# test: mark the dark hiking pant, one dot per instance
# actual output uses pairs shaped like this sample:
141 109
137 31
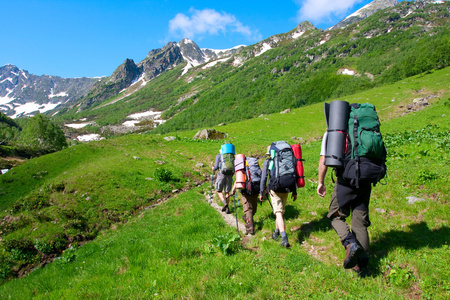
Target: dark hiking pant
347 200
250 205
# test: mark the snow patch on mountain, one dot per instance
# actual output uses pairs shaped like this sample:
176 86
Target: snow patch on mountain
215 62
78 125
30 108
6 99
60 94
90 137
358 13
155 116
265 47
296 35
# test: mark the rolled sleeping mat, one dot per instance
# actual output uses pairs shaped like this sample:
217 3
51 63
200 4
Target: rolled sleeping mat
227 148
297 149
336 114
239 162
335 150
240 180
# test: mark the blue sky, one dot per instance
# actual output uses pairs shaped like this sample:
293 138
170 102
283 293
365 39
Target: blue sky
89 38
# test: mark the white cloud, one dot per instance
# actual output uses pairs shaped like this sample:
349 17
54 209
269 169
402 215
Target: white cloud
208 22
323 10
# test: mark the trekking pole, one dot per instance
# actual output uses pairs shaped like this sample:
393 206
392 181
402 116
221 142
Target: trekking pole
210 195
232 184
235 210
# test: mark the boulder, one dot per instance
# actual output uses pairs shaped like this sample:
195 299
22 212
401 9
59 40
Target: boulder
209 134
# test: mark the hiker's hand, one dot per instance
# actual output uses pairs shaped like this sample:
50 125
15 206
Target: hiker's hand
261 198
321 190
294 197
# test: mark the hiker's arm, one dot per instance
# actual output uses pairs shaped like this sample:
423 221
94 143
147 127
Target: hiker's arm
233 189
321 189
216 163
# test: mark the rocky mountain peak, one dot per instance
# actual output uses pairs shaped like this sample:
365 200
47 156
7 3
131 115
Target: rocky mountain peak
191 52
305 26
126 72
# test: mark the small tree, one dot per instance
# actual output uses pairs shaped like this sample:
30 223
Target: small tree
42 135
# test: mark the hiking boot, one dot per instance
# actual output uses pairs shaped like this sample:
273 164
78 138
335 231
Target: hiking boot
363 259
284 242
275 235
227 210
352 254
225 207
361 271
250 230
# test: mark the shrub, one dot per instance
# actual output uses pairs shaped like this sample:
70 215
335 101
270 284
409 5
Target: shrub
163 175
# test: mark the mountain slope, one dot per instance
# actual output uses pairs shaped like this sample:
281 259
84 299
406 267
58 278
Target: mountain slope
297 68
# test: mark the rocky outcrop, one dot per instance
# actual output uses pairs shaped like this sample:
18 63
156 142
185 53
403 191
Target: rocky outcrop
121 78
159 60
209 134
305 26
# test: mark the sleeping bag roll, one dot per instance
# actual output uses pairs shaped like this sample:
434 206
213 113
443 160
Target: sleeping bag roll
336 115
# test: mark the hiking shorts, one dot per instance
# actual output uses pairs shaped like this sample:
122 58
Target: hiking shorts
278 201
223 183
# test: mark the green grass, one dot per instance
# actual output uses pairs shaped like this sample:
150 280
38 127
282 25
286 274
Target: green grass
170 251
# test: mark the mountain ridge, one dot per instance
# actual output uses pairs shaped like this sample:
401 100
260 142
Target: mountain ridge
131 77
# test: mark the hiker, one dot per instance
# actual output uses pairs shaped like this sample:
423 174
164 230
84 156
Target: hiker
355 176
249 191
223 183
278 195
357 204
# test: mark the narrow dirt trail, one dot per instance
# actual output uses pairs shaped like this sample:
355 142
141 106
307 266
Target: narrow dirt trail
230 219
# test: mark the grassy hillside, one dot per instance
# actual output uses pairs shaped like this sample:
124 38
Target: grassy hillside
107 192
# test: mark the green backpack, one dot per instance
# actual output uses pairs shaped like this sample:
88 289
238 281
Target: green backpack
366 154
364 132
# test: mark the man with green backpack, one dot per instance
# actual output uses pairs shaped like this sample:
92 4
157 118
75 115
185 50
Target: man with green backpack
354 147
224 163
